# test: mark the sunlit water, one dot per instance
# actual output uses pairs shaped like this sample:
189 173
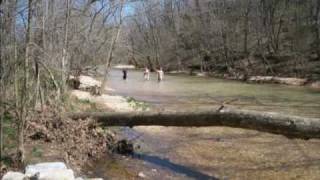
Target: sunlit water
213 152
185 92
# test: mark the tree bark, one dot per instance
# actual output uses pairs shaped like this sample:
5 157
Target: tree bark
113 43
1 82
1 135
24 93
317 28
246 27
65 48
290 126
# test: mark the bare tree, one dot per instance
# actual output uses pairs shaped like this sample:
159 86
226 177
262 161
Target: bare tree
115 37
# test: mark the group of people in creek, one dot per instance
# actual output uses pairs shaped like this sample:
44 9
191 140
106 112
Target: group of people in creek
146 74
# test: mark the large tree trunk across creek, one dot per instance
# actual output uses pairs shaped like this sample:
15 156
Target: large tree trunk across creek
290 126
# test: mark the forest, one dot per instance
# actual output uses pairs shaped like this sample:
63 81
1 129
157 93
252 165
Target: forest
44 42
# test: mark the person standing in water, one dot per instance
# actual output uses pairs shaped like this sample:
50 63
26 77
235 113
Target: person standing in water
160 74
146 74
125 73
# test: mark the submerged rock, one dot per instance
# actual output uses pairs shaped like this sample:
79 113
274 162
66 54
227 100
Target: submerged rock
124 147
142 175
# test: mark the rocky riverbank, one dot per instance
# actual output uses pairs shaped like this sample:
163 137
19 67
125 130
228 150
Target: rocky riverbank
292 81
51 136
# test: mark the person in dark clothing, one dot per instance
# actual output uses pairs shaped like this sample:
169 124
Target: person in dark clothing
125 73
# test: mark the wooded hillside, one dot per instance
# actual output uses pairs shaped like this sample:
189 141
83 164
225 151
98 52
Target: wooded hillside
42 42
236 37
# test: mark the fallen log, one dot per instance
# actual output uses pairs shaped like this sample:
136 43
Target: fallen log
290 126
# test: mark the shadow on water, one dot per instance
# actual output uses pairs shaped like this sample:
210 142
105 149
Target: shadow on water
165 163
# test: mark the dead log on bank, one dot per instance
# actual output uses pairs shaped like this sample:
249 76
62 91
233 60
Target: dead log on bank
290 126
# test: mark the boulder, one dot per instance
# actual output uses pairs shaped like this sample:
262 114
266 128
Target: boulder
45 171
13 176
124 66
55 174
142 175
290 81
50 171
177 72
86 82
124 147
42 167
201 74
315 85
261 79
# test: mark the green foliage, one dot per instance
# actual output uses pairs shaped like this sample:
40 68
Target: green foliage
84 101
7 161
36 152
137 105
9 131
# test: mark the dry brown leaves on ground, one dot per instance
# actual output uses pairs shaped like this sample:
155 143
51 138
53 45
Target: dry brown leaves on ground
76 141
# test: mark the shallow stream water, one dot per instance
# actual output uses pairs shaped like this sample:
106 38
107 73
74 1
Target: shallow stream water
212 152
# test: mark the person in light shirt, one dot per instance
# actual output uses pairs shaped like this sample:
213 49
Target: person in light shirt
160 74
146 74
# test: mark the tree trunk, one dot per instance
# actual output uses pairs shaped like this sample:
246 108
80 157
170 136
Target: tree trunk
1 135
24 93
113 43
317 28
65 48
246 27
290 126
1 84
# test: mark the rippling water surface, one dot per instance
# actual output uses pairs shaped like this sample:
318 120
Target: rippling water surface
213 152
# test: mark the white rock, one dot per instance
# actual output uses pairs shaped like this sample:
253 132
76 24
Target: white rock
42 167
201 74
117 103
87 81
50 171
124 66
142 175
316 85
13 176
57 174
290 81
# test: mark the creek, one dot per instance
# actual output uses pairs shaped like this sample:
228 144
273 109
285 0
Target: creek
212 152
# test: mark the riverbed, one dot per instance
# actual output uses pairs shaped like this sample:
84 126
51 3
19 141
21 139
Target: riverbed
213 152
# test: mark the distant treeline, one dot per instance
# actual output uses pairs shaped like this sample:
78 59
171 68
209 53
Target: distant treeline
248 37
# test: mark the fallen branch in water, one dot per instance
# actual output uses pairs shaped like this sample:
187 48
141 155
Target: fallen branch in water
290 126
